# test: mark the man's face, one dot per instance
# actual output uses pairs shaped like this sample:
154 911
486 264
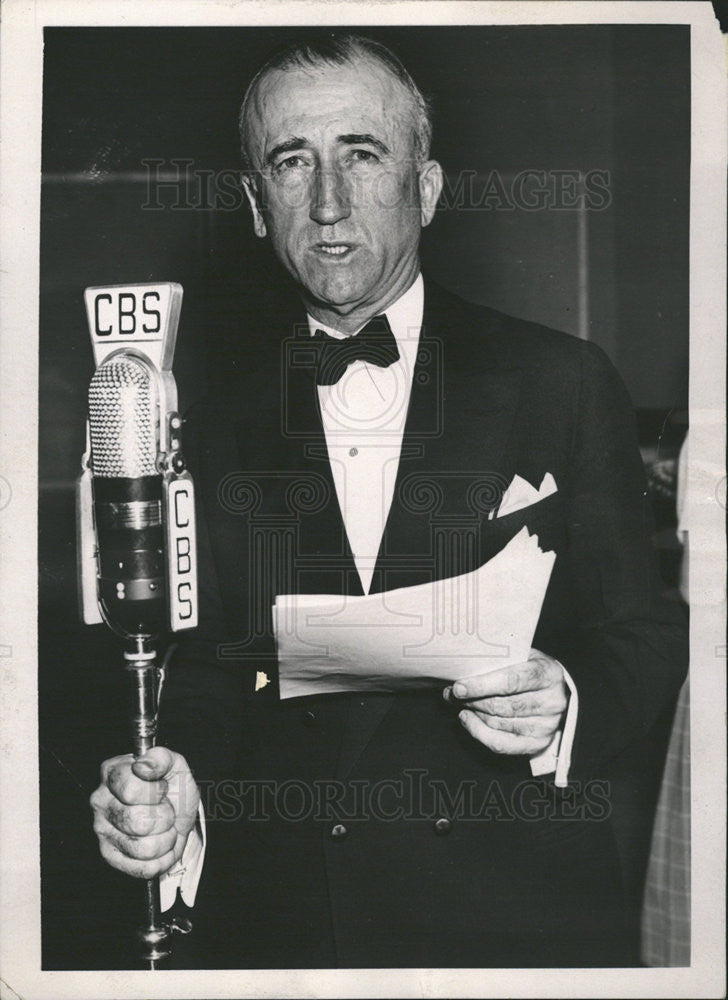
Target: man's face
340 194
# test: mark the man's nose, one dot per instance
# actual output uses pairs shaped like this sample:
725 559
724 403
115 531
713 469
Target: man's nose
330 198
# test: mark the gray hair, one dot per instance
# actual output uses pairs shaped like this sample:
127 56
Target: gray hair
334 49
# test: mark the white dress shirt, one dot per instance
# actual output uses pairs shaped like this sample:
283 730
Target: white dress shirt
363 418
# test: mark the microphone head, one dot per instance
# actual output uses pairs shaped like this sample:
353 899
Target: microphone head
124 418
135 501
127 491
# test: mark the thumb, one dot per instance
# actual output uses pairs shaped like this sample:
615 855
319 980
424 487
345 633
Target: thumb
153 765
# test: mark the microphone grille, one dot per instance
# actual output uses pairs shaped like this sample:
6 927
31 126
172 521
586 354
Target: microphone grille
123 421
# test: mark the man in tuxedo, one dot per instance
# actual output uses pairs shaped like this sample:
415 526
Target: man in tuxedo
366 442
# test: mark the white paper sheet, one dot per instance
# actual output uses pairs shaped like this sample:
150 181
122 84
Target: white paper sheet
415 636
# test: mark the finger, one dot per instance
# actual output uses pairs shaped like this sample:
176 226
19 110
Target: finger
500 742
101 798
107 765
156 763
141 821
548 701
530 676
138 869
538 725
136 848
132 790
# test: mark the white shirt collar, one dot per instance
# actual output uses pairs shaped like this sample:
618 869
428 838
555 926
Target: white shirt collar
404 316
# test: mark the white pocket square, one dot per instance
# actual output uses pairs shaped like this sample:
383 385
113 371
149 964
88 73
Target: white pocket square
521 494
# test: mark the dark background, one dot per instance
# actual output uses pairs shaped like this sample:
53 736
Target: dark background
506 99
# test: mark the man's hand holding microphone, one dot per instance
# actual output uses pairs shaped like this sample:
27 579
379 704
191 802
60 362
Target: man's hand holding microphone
144 810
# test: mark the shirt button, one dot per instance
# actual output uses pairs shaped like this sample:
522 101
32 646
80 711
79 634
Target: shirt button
353 452
338 831
442 826
309 719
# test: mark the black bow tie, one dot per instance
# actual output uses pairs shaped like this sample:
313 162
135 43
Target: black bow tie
374 344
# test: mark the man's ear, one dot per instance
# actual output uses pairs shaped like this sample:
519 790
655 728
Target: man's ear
430 184
250 183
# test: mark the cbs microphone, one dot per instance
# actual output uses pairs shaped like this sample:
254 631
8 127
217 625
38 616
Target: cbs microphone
135 504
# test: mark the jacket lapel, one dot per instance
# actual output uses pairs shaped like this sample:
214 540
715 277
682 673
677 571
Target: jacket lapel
291 462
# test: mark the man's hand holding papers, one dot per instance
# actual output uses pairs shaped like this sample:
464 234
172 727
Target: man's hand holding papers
447 630
514 710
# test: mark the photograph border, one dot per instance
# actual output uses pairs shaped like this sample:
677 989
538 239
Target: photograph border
21 68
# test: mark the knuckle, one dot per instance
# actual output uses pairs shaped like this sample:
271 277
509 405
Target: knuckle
512 681
142 869
132 848
111 764
116 815
116 775
110 856
555 671
141 822
144 849
538 673
150 868
99 824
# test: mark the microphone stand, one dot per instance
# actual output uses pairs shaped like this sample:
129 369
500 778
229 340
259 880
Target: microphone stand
141 662
135 515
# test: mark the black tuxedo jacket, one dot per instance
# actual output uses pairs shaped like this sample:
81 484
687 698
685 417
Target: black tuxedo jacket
451 855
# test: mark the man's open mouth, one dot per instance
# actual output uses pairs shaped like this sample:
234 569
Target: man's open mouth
335 249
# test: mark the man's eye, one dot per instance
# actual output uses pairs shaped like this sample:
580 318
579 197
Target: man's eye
290 163
363 156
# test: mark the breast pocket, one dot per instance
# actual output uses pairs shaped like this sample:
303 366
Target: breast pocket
546 519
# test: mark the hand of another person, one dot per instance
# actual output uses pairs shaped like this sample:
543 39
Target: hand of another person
144 810
516 709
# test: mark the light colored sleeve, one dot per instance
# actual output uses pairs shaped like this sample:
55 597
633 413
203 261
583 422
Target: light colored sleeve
557 755
185 875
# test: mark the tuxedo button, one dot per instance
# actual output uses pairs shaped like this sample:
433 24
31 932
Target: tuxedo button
353 452
309 719
442 826
338 831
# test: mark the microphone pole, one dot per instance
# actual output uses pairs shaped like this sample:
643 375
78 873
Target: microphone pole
141 663
135 510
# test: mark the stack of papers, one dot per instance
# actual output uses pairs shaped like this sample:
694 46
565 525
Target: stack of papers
414 637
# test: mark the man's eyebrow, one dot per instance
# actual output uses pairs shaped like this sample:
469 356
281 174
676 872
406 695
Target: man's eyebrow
288 146
366 139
